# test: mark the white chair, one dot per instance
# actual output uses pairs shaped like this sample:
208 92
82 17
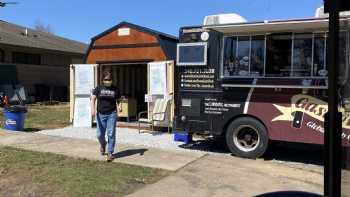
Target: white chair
158 114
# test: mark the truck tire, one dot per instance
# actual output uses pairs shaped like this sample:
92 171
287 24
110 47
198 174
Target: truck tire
247 137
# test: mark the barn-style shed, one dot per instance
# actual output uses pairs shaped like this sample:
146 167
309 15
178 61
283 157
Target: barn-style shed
126 49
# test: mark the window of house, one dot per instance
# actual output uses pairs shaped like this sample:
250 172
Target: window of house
278 55
302 55
26 58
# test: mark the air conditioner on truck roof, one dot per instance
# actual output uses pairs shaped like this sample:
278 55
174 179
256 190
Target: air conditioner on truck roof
223 19
320 13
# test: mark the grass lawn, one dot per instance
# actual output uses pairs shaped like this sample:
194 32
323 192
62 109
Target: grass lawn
41 117
27 173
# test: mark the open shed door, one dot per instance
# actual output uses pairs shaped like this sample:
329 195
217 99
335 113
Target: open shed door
161 86
83 78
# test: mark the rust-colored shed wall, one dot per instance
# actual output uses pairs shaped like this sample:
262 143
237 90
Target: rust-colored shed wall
138 45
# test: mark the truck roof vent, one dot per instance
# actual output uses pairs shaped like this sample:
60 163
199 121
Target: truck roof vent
223 19
320 13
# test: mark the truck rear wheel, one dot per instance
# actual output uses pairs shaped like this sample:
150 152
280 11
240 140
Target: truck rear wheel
247 137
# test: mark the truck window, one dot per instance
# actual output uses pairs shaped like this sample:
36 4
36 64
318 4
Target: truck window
257 56
244 56
229 60
343 62
302 55
319 62
242 62
278 55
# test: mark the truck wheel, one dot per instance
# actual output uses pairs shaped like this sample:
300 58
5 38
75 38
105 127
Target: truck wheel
247 137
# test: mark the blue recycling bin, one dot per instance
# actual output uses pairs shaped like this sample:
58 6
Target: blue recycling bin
14 118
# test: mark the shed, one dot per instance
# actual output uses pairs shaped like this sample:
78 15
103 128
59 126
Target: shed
125 50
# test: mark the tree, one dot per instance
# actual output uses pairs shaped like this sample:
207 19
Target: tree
40 26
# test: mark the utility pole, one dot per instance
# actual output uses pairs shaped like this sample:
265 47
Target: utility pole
333 119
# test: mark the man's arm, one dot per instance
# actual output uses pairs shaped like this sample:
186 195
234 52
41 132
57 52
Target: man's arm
93 105
119 105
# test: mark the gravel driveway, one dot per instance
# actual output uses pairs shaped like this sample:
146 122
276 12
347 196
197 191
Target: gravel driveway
153 139
293 155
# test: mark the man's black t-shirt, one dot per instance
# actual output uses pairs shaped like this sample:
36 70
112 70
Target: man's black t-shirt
106 98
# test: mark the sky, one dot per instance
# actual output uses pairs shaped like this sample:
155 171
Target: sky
83 19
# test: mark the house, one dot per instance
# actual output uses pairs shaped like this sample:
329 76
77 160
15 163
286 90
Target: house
38 61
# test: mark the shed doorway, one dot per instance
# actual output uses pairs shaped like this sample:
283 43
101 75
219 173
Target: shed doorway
131 79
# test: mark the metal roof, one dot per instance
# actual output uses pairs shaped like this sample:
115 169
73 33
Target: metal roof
15 35
137 27
274 26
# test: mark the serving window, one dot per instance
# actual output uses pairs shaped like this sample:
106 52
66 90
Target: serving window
257 56
278 55
243 56
301 55
319 55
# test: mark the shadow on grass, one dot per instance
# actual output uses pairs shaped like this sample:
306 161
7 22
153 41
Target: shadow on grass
130 152
31 130
27 130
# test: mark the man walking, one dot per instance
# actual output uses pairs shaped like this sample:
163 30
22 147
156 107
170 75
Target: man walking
106 115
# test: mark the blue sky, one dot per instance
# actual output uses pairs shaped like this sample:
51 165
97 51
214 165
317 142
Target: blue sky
82 19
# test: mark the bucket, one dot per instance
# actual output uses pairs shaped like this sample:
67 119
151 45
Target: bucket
14 118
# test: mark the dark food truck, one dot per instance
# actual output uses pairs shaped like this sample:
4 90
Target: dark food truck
253 82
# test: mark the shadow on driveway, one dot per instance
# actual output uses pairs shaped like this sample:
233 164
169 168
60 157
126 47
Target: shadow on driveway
130 152
280 151
289 194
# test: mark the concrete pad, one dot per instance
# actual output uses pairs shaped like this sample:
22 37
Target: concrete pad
89 149
230 176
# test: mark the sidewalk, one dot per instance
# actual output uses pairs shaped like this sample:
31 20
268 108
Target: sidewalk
195 174
221 175
89 149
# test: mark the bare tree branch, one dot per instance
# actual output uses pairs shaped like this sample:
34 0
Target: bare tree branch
40 26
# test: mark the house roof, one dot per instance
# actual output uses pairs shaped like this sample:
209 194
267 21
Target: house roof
15 35
137 27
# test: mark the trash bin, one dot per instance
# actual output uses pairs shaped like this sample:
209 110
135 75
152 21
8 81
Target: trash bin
14 117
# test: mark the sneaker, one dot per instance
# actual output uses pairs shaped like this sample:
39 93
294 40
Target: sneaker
103 149
110 157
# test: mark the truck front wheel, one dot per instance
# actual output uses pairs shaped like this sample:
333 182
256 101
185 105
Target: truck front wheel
247 137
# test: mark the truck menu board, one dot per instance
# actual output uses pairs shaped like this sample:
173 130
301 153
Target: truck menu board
202 78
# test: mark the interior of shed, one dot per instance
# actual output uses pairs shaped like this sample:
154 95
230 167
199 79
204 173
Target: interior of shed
131 79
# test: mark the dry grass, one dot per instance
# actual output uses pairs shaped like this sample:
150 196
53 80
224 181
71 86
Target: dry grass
28 173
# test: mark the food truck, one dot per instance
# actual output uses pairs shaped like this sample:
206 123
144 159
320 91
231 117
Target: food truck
254 82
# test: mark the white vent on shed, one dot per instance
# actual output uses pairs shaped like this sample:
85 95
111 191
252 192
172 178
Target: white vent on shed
223 19
123 31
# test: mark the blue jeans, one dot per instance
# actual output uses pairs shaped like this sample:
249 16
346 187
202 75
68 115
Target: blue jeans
106 122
